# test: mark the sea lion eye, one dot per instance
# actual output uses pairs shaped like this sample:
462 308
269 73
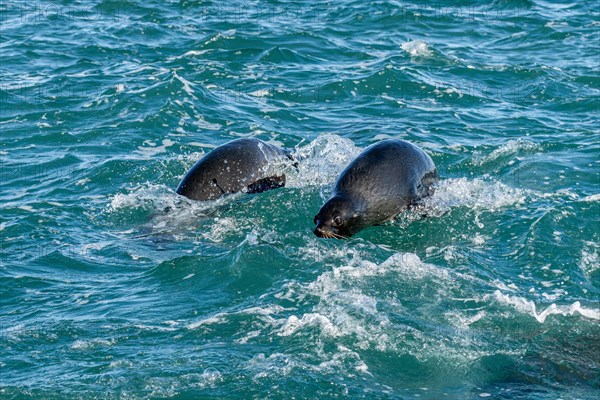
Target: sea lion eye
337 220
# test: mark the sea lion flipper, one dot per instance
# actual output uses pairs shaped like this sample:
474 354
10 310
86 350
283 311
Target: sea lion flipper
268 183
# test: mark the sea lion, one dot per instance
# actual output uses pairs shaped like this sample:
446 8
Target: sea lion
381 182
243 165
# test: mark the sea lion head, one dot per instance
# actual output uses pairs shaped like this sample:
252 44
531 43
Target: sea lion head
338 218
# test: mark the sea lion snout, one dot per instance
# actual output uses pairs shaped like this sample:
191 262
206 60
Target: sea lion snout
334 219
326 232
319 231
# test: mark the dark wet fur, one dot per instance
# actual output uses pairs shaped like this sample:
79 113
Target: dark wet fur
384 180
236 166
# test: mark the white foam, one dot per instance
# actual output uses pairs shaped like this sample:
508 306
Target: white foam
187 85
120 364
192 53
157 197
591 198
409 265
83 181
222 227
16 331
248 336
151 149
263 312
348 307
464 321
293 324
202 124
529 307
590 261
280 364
215 319
478 193
159 328
260 93
210 377
276 364
88 344
322 160
137 197
509 148
344 309
417 48
342 357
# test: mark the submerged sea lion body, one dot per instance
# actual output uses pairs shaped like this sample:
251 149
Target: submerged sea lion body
381 182
242 165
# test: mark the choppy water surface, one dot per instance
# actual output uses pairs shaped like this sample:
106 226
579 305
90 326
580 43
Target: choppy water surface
106 104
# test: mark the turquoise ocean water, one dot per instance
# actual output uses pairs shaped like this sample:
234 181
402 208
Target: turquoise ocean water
106 104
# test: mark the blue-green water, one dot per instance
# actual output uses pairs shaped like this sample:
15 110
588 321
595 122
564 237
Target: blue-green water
106 104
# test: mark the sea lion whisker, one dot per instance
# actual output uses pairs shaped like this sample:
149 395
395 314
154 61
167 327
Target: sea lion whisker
337 236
